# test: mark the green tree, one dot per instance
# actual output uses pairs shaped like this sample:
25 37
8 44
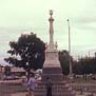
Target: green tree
64 61
85 65
27 52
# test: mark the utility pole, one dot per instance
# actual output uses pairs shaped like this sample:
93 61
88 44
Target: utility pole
69 48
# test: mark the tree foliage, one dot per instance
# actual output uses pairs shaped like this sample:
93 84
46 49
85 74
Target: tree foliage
27 52
84 65
64 61
7 71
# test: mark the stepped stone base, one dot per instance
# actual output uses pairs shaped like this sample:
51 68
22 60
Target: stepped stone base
59 88
53 73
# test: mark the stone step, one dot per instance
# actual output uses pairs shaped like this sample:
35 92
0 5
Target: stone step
58 89
55 90
55 95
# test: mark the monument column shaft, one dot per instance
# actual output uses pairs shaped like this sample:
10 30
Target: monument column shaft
51 32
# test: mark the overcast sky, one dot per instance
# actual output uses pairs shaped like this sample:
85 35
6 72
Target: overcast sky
25 16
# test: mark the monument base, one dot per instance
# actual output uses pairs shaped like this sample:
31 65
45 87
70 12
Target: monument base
52 73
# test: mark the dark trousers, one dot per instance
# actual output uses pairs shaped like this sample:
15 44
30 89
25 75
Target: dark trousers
49 91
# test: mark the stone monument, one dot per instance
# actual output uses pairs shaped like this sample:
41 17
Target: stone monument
51 66
52 69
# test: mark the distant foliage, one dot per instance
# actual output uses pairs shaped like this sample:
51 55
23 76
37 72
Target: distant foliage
7 71
27 52
85 65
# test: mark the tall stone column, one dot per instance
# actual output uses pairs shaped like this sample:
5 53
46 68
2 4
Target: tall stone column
51 30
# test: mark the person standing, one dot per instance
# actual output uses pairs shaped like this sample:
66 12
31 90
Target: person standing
31 84
48 87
